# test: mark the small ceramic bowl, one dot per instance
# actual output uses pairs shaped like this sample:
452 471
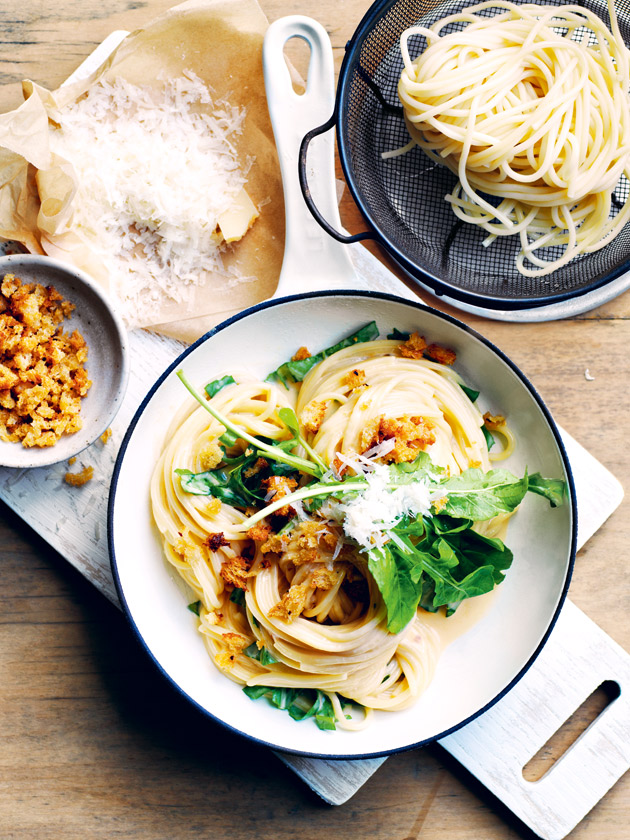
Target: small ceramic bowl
107 362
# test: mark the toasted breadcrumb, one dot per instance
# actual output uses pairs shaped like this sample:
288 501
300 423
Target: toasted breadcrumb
234 571
411 435
441 354
279 486
313 415
323 578
234 644
275 544
42 374
414 347
106 436
259 532
302 353
210 456
80 478
293 602
355 379
493 422
216 541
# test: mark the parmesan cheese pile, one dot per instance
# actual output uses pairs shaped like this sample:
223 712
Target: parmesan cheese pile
160 189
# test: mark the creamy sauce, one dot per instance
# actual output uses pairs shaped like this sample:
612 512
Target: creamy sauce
447 630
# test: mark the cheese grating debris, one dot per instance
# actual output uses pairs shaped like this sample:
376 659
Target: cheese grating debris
158 180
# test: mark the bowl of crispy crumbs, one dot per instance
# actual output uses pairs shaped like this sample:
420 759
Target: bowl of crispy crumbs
63 361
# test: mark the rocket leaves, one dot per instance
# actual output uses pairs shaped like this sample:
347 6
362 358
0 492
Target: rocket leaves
447 564
296 370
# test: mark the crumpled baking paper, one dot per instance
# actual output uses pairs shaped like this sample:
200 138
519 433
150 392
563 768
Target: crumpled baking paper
221 42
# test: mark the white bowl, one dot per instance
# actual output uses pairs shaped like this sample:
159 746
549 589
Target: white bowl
476 669
107 362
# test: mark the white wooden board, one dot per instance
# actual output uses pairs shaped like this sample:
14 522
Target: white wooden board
493 747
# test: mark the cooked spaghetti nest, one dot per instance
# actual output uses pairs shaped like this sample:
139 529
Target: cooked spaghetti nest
309 599
529 105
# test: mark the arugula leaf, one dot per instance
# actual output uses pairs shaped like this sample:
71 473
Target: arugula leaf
472 395
490 441
295 371
301 704
408 472
195 607
261 655
217 483
440 564
397 335
552 489
237 596
392 572
216 385
477 495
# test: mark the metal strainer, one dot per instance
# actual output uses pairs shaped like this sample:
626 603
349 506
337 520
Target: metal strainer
402 198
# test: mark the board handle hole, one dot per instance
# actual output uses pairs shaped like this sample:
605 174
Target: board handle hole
564 737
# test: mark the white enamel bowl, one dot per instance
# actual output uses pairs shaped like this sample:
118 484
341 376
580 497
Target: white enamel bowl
477 669
107 362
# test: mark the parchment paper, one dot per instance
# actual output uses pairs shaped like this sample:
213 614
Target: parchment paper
221 42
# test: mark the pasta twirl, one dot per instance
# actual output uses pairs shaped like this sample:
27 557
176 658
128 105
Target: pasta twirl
282 507
528 105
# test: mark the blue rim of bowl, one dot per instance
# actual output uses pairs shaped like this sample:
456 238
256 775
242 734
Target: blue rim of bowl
8 260
270 304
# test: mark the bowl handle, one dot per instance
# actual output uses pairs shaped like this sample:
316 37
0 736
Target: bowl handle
346 239
313 261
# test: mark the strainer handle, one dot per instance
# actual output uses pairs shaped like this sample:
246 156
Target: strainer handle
346 239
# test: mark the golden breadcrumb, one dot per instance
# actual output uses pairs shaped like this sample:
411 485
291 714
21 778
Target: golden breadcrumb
410 435
355 379
313 415
302 353
414 347
234 644
42 373
80 478
293 602
493 422
234 571
279 486
106 436
441 354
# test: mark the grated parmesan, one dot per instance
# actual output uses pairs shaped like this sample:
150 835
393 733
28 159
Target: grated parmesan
156 169
369 516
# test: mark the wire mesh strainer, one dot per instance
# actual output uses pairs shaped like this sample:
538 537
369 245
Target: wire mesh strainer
402 198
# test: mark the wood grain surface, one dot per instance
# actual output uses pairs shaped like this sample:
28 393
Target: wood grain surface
93 744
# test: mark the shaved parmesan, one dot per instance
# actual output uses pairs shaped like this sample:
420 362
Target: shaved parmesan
369 516
160 188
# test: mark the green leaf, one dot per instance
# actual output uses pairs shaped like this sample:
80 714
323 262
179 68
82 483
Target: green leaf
397 335
295 371
254 692
214 387
408 472
472 396
217 483
490 441
552 489
301 704
261 655
477 495
392 572
195 607
237 596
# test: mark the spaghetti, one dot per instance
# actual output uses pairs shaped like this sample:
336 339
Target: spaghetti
287 557
528 105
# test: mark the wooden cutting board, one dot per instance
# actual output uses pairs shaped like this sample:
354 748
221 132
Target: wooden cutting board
578 657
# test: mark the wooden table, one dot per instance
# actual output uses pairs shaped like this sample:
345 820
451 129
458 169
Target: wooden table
95 745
